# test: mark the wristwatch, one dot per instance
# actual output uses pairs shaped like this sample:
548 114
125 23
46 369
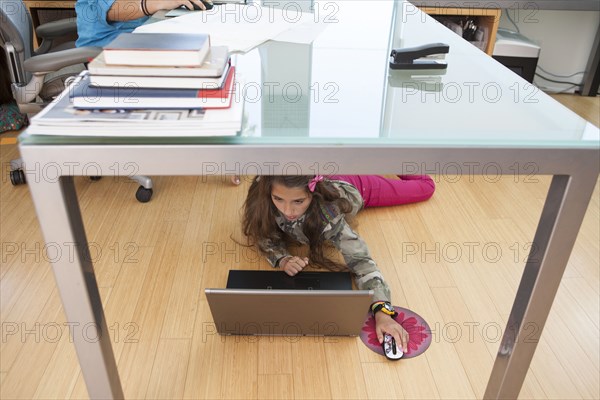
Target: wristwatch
383 306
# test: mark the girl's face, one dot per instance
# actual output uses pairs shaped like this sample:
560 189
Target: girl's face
292 203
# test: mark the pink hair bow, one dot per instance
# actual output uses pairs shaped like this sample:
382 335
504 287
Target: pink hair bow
313 182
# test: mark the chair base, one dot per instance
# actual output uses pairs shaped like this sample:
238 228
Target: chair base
143 193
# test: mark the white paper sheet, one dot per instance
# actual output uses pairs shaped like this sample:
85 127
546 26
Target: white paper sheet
243 27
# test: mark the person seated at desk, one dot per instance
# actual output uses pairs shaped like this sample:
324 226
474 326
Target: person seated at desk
100 21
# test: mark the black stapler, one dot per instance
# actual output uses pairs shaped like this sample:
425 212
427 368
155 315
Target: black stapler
408 58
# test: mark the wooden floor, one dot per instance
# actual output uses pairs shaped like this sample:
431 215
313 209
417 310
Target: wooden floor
456 260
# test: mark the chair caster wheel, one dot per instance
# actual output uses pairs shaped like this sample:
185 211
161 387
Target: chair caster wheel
143 195
95 178
17 177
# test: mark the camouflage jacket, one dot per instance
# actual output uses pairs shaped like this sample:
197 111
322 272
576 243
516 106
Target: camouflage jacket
340 234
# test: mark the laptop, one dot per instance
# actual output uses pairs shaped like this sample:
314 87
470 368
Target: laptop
309 304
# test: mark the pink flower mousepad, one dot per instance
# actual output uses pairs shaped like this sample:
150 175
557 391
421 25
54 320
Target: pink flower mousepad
418 331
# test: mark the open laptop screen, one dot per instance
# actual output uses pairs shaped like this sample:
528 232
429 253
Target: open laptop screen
305 280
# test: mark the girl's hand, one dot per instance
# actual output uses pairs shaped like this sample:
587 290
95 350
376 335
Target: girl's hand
292 264
386 324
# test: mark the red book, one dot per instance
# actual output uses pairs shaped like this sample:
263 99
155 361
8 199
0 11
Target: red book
224 92
85 96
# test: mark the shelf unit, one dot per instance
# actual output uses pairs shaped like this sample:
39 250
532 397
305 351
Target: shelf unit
487 18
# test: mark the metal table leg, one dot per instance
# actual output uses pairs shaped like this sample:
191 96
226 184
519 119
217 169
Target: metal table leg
592 74
561 218
60 220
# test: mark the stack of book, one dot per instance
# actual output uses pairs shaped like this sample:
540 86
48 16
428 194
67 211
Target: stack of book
149 82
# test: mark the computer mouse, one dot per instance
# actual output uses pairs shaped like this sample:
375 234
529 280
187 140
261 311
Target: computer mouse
208 5
390 350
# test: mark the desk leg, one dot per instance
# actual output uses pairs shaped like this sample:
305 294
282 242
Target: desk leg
592 75
60 219
564 209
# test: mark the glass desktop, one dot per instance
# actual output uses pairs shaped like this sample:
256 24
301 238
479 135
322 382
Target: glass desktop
340 89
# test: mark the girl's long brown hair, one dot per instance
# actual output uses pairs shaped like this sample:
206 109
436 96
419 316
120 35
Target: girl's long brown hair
259 214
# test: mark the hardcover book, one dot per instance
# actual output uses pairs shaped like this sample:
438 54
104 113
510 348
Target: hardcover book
86 96
158 49
160 82
213 67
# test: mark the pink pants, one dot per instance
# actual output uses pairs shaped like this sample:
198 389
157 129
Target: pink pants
378 191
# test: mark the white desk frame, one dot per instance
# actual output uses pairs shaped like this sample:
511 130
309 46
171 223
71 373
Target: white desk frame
575 173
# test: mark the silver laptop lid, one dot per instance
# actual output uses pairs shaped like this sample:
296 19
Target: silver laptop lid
289 312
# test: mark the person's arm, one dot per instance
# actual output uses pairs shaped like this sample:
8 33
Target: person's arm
359 261
368 277
275 252
127 10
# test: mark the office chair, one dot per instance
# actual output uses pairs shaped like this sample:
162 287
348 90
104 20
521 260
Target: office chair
38 76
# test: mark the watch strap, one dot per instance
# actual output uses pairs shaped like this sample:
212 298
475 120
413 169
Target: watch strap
383 306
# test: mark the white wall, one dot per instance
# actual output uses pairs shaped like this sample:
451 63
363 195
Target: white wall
565 38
